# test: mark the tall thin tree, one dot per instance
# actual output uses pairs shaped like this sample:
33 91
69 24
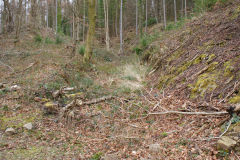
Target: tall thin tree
107 39
56 21
146 20
175 11
164 14
136 17
91 30
186 8
121 28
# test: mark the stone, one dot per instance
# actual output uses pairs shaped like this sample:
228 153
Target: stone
28 126
226 143
51 108
15 88
10 131
155 147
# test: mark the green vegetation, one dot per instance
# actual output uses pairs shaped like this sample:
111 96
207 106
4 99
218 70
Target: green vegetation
59 39
177 25
48 40
38 38
96 156
81 50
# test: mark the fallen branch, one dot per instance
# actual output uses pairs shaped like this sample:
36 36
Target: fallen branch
188 113
97 100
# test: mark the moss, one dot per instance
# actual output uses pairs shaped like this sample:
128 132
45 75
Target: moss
212 66
235 99
211 57
15 121
205 82
74 95
166 80
228 68
175 55
199 58
207 46
236 13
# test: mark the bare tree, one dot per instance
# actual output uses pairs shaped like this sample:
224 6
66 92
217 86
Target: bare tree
164 14
84 18
19 18
91 30
136 17
121 28
107 39
56 15
186 8
175 11
8 17
146 20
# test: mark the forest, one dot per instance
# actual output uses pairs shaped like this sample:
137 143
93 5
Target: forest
119 79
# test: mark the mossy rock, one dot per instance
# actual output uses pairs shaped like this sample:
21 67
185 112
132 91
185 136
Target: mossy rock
205 82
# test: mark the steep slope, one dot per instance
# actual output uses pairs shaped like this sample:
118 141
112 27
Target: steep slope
202 60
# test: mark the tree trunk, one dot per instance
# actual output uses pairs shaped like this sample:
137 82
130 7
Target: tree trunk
47 13
182 10
136 17
34 19
154 10
116 19
186 8
9 24
56 12
84 18
107 40
175 11
91 30
121 28
146 21
164 14
19 19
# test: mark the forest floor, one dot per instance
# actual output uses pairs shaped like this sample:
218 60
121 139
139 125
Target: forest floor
117 115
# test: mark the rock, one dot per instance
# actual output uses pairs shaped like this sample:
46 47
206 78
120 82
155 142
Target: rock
226 143
111 157
56 94
155 148
28 126
17 107
10 131
15 88
236 138
51 108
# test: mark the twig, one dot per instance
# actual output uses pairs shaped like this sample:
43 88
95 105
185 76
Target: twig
230 122
188 113
7 66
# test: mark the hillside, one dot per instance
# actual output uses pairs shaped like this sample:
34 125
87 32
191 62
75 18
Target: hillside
169 102
201 61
